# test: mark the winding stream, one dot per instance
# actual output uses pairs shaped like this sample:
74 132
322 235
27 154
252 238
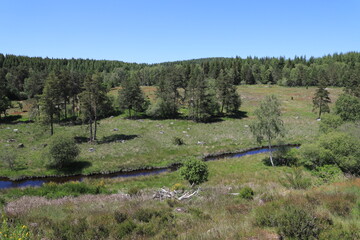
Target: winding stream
38 181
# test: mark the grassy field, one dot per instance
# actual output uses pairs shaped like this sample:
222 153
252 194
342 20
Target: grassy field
150 142
213 214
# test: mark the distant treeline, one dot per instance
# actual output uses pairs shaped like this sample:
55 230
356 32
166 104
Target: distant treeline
24 77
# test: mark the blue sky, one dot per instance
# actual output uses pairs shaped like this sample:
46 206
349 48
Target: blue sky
151 31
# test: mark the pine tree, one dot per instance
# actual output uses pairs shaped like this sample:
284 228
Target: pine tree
50 100
201 102
131 97
321 100
227 96
93 100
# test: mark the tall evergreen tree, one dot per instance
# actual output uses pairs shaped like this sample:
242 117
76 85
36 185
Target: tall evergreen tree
201 102
93 100
321 100
227 96
50 100
131 97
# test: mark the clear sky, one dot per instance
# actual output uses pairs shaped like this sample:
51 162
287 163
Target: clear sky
152 31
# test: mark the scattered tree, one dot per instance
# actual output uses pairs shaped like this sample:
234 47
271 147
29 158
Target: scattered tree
321 100
348 107
131 97
268 125
63 151
195 171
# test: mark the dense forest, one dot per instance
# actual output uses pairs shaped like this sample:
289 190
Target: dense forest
206 87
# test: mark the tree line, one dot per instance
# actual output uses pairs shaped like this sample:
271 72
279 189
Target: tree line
23 77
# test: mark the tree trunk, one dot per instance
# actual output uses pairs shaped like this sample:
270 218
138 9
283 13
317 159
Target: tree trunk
65 109
91 130
95 126
51 125
270 153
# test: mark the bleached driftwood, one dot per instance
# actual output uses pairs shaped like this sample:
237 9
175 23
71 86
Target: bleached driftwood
178 195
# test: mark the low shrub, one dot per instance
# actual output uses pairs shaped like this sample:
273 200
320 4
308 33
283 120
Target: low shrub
292 221
328 173
120 216
54 190
145 215
296 179
178 141
125 228
195 171
63 151
134 191
12 230
246 193
343 232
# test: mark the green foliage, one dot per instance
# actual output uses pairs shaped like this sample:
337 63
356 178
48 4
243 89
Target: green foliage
296 179
178 141
8 159
246 193
195 171
342 231
284 156
268 124
10 230
63 151
201 100
53 190
328 173
348 107
134 191
145 215
120 216
226 93
330 122
125 228
131 97
342 150
321 100
292 221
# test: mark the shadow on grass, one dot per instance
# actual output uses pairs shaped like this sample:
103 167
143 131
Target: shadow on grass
117 137
79 139
13 119
238 115
75 167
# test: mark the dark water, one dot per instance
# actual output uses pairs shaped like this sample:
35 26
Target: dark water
5 183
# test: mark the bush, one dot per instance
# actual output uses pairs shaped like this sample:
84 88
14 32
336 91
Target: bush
63 151
292 221
328 173
296 179
134 191
195 171
120 216
10 230
125 228
284 156
246 193
8 158
178 141
329 122
348 107
341 149
145 215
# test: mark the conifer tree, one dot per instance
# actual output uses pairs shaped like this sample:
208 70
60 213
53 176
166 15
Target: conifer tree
321 100
93 100
201 102
227 96
131 97
50 100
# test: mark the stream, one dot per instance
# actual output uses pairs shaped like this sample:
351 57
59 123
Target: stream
38 181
